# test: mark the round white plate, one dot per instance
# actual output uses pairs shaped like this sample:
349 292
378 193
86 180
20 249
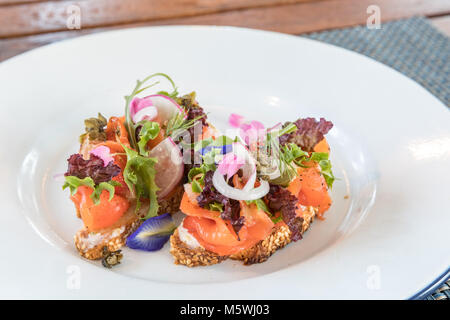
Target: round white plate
390 150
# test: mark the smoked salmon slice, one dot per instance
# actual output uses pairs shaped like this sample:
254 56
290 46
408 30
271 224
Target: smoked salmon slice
218 236
314 190
103 215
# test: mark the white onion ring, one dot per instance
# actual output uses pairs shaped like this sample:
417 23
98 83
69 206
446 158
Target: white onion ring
248 192
250 176
239 194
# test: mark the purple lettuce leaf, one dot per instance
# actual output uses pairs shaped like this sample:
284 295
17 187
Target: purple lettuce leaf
283 201
93 168
230 208
309 133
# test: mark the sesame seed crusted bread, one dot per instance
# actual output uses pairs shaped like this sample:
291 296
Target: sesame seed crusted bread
192 257
90 244
279 238
171 203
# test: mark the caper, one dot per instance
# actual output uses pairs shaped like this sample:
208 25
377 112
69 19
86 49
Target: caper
110 259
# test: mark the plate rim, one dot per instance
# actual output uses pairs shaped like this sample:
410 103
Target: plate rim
418 295
432 287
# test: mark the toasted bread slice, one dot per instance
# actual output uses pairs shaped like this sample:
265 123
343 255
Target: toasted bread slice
90 244
192 257
279 238
171 203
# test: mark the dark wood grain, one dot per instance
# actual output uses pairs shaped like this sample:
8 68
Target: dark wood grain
308 17
291 18
15 2
52 16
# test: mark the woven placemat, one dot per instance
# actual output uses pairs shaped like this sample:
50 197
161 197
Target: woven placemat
413 47
443 293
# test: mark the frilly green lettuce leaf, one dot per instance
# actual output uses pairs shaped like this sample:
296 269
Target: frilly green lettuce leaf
73 183
139 175
149 131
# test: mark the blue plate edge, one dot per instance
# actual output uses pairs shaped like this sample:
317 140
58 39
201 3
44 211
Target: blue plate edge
425 292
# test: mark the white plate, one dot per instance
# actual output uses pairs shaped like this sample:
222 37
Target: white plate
391 138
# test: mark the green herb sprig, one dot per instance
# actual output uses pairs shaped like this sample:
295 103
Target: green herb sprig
179 124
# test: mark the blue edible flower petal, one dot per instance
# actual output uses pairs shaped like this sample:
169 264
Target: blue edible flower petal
153 243
152 234
227 148
223 149
207 149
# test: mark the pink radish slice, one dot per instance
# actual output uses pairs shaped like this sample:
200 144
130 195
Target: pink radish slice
147 113
167 107
137 104
169 168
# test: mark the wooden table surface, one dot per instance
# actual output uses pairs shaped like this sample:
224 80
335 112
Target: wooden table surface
27 24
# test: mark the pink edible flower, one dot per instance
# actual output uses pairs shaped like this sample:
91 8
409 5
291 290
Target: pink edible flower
230 164
252 132
235 120
103 153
